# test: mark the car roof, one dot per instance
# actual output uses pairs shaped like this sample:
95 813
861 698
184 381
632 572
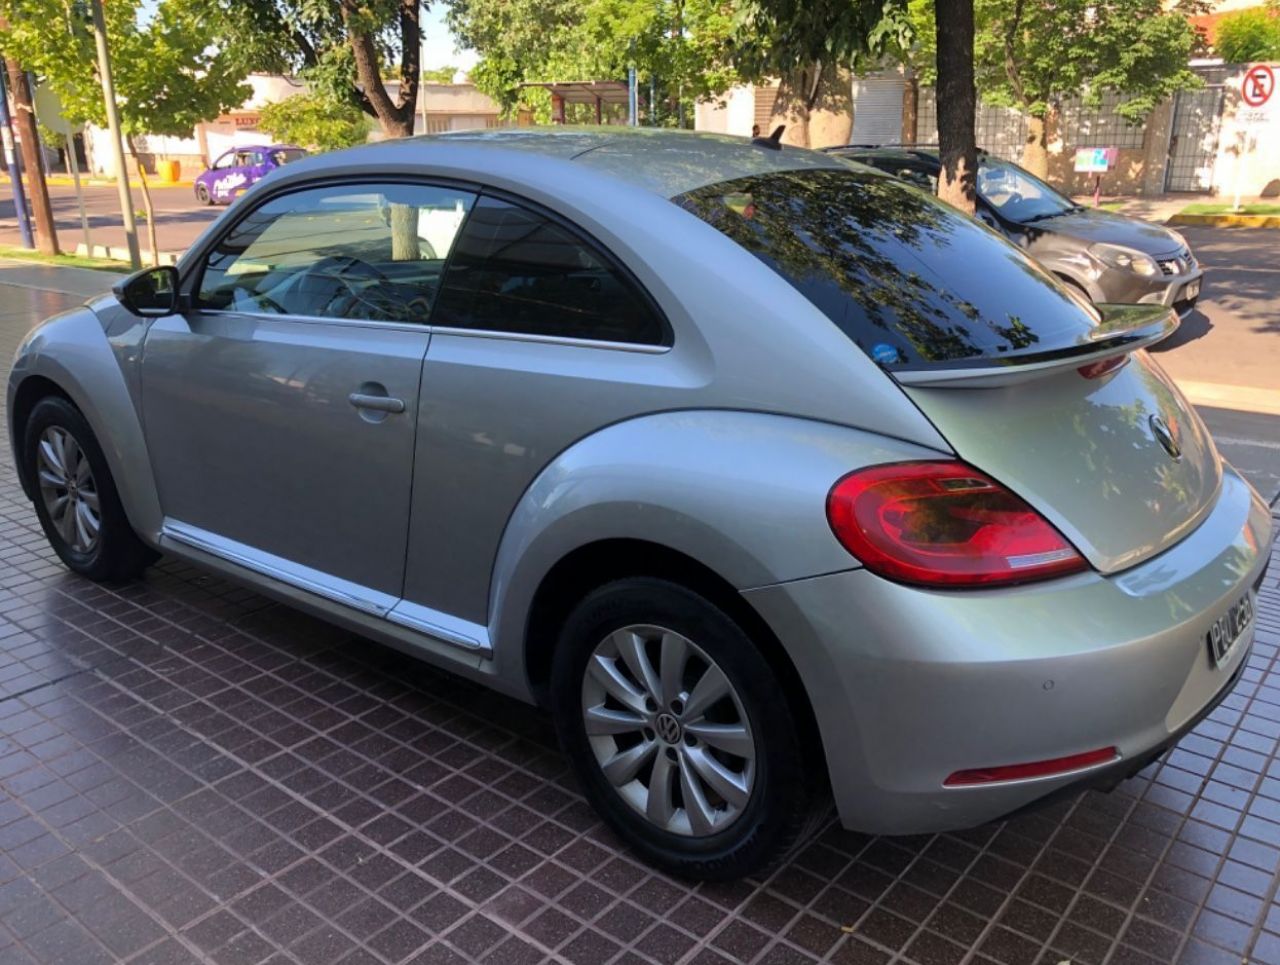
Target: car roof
666 162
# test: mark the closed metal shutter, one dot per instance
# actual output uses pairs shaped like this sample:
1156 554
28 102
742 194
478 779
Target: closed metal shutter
765 98
877 110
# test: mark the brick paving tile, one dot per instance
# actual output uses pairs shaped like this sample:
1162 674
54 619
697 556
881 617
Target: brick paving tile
192 773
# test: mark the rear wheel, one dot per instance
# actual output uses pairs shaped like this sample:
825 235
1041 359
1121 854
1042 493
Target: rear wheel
672 719
76 499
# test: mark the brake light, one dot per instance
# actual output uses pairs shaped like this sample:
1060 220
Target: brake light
944 524
1020 772
1096 370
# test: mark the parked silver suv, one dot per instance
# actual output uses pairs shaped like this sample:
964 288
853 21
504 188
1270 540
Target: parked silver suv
761 471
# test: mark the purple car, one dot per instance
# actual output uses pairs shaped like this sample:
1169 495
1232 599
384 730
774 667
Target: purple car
241 167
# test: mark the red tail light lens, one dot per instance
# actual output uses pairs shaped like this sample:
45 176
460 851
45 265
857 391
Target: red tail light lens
944 524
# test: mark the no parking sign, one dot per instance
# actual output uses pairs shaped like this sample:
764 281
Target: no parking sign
1257 90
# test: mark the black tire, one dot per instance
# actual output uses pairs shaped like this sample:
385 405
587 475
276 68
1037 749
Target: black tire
118 553
780 804
202 194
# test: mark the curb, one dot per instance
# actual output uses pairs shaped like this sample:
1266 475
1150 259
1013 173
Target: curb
122 254
62 181
1228 220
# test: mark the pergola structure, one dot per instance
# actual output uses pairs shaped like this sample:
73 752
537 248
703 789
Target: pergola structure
598 92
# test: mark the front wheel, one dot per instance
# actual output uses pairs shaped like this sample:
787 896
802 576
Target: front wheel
202 194
76 499
672 719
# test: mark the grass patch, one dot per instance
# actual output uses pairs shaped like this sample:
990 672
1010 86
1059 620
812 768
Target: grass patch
1270 209
64 261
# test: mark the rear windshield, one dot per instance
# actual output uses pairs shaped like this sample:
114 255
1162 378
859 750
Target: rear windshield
912 281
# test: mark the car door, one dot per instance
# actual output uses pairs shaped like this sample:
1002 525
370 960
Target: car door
539 339
280 409
226 177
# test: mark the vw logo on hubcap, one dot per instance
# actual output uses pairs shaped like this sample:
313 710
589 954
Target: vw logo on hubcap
668 728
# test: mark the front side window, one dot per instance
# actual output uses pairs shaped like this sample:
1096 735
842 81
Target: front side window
911 280
225 161
516 270
373 252
1017 195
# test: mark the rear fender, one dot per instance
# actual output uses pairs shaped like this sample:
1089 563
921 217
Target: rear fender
742 493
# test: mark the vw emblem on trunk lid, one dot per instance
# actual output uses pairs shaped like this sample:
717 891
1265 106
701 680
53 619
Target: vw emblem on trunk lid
1165 436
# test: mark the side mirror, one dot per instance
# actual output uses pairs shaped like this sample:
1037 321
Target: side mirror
150 293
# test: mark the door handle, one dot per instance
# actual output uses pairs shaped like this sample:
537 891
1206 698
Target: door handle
379 403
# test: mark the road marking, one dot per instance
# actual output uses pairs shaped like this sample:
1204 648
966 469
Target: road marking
1243 398
1256 443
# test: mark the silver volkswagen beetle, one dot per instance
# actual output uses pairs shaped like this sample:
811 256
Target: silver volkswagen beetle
770 477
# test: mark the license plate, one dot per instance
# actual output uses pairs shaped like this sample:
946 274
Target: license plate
1226 630
1191 291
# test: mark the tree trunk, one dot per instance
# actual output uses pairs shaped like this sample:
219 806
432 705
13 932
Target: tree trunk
957 102
146 201
405 245
911 108
816 105
32 160
395 116
1035 153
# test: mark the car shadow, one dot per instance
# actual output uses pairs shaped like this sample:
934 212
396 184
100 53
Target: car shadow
1195 325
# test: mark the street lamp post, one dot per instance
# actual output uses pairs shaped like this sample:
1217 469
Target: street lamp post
113 125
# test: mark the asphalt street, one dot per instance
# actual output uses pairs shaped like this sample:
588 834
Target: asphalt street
179 217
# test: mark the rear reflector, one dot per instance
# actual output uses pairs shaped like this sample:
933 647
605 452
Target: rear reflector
944 524
1020 772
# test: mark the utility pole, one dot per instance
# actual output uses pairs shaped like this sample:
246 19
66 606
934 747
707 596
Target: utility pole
37 189
15 168
113 125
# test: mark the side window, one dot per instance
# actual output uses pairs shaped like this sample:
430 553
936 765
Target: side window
515 270
371 251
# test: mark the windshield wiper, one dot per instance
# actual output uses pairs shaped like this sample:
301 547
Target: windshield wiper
1043 215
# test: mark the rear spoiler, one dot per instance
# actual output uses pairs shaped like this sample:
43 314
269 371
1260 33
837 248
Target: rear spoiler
1123 329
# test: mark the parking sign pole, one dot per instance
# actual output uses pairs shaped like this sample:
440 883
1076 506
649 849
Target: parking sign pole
113 125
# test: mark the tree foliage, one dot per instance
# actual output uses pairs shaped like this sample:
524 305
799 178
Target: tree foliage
346 49
677 45
1248 35
315 121
439 75
170 73
1035 55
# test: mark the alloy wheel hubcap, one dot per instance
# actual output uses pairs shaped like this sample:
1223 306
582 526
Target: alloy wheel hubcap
668 730
68 489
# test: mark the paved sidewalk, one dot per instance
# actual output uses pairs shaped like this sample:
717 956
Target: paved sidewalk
190 772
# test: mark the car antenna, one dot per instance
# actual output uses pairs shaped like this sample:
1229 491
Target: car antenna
774 141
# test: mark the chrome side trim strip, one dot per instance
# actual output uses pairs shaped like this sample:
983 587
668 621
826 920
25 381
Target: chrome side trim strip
424 329
277 568
444 626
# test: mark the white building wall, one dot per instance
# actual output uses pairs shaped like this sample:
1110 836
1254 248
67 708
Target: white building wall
733 113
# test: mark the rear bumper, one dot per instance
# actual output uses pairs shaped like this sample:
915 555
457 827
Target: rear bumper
911 685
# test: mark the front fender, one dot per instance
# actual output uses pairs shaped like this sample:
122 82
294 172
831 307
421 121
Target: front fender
74 352
742 493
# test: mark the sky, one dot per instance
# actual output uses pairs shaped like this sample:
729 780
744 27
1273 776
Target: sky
438 43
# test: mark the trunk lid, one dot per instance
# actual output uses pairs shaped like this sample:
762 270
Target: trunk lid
1086 452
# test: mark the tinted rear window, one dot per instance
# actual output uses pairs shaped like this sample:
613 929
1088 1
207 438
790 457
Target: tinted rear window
909 279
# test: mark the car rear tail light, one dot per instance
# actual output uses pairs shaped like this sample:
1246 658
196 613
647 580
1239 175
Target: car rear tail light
944 524
1095 370
1020 772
